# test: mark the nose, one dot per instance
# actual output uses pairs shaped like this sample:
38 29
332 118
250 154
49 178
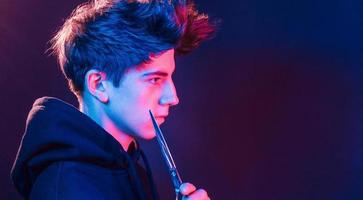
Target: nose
169 96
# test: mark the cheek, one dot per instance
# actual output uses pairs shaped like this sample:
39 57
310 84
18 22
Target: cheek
148 98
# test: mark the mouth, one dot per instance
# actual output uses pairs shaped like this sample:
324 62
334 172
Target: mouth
160 120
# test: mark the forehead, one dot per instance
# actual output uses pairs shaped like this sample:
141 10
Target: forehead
163 61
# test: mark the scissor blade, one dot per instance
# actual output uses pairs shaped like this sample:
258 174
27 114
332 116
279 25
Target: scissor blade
166 154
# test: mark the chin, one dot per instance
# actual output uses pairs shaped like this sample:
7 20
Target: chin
147 134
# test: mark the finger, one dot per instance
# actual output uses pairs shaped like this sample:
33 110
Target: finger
199 194
187 188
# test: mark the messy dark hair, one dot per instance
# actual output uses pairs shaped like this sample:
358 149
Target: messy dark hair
113 35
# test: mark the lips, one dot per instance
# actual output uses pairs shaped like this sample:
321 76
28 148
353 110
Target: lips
160 120
161 116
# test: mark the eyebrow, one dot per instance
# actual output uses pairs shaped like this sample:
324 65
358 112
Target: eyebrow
159 73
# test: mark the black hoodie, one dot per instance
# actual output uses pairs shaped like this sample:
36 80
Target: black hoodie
65 155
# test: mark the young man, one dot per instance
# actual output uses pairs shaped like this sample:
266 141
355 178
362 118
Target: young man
118 57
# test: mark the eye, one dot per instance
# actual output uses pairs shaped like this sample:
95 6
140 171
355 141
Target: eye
155 80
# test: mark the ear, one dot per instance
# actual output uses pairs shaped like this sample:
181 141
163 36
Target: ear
95 82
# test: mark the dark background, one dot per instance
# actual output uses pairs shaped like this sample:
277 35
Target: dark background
271 108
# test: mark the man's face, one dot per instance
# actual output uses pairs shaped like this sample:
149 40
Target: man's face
148 86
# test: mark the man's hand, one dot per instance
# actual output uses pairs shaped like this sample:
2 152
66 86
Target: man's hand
190 192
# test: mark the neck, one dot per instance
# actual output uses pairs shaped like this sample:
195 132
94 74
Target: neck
101 119
123 138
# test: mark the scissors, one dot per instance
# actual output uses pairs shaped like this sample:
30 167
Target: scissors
173 172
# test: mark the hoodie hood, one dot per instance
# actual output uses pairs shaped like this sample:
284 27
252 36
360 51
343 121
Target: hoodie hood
57 131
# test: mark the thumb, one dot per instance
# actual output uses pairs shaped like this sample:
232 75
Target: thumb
187 188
